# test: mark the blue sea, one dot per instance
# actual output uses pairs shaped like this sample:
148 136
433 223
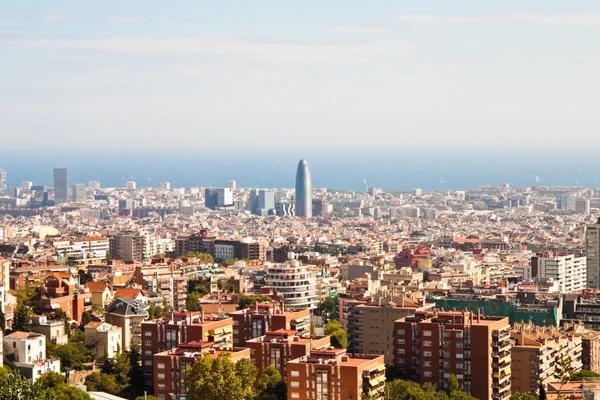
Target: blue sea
399 169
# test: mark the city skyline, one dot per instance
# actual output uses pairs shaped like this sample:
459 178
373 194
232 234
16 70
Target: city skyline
471 73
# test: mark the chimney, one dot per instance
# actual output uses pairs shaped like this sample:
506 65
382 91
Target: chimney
478 315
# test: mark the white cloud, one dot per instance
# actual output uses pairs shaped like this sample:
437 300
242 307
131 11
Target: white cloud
223 46
583 19
125 20
427 19
54 17
358 29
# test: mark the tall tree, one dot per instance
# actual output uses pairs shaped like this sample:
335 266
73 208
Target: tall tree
563 371
271 385
339 337
22 318
219 378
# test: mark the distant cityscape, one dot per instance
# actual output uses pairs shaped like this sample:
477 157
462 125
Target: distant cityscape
306 280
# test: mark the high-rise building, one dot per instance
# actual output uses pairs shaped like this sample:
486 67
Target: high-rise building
534 353
294 282
26 185
218 197
60 186
432 345
165 186
371 325
303 190
231 185
78 192
592 250
335 374
94 185
266 201
130 185
2 179
569 270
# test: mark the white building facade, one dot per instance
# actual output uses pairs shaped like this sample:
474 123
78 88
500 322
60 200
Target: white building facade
294 282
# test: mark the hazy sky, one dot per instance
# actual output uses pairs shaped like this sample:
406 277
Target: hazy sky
352 74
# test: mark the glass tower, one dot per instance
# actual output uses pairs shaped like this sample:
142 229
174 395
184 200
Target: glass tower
303 190
60 185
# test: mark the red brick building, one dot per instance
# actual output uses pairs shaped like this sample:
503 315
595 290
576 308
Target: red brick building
334 375
431 345
169 366
183 327
259 318
278 347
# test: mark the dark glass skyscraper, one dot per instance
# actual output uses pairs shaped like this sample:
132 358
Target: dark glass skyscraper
303 190
60 185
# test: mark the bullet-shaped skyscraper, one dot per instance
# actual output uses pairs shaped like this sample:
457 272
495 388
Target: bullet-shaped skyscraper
303 190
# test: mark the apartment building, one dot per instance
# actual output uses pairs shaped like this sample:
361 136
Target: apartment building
592 251
89 248
569 270
294 282
182 327
59 291
333 374
432 345
370 326
259 318
127 314
280 346
126 246
534 355
162 280
169 366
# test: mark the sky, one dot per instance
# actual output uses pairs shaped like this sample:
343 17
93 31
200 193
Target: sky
335 75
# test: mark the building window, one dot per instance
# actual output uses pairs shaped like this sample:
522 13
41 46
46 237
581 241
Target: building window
400 332
294 384
426 333
148 343
161 386
295 395
160 376
427 374
147 333
160 365
427 353
294 374
401 341
427 343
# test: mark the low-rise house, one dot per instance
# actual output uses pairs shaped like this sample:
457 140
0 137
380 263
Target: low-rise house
54 330
27 352
106 338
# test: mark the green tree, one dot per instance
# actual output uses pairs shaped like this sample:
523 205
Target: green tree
204 258
542 392
328 307
2 321
271 385
73 355
86 318
148 397
102 382
339 337
136 374
247 300
22 318
563 371
155 311
192 302
195 285
55 384
584 373
522 396
15 386
85 277
219 378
